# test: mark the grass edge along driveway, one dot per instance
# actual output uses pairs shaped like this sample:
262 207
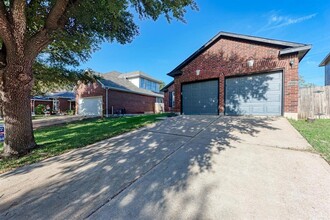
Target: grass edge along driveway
317 133
57 140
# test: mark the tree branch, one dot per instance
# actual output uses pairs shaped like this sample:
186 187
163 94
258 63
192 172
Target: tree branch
19 23
55 21
55 14
5 30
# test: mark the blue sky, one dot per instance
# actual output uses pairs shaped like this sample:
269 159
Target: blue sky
161 46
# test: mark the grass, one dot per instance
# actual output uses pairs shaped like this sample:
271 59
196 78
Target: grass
317 134
60 139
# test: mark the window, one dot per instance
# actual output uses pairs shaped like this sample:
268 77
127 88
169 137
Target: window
159 100
149 85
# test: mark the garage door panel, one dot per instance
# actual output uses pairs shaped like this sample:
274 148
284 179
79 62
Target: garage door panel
254 95
273 98
274 86
200 98
273 109
257 109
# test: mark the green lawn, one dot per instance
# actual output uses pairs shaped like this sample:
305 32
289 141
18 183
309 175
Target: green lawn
59 139
317 134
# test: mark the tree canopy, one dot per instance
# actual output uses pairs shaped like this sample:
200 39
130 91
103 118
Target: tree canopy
43 41
74 29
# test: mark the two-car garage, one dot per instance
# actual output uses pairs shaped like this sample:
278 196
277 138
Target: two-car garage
236 74
259 94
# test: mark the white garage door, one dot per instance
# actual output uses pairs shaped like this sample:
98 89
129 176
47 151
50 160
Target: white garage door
254 95
91 106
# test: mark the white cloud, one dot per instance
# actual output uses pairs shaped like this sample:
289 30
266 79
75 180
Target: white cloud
276 21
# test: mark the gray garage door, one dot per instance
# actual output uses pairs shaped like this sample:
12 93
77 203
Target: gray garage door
200 98
254 95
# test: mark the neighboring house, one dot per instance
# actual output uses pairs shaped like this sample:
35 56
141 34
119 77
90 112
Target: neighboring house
236 74
117 93
326 64
59 102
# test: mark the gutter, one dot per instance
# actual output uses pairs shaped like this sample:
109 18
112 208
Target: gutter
106 102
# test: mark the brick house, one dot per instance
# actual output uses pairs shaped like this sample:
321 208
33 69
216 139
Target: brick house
236 74
118 93
59 102
326 63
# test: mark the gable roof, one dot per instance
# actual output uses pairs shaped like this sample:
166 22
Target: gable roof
135 74
65 95
165 87
325 61
112 80
288 47
55 95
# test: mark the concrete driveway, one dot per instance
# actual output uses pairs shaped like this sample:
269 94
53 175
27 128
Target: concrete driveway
181 168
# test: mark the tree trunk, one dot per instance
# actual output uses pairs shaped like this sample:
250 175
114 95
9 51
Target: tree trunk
17 87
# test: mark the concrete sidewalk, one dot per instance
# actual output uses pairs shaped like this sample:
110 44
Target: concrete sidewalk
182 168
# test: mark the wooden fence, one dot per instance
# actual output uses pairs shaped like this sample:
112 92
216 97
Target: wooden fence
314 102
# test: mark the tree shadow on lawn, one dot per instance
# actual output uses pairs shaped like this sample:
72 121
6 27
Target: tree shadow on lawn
58 139
75 184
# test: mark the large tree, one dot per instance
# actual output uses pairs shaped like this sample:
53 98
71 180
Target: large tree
58 34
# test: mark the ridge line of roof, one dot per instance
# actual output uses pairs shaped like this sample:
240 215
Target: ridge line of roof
239 36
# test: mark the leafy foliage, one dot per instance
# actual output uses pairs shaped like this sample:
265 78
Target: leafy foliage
43 40
49 78
40 109
162 85
303 83
89 23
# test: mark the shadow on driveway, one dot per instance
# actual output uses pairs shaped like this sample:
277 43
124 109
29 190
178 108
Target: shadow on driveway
143 174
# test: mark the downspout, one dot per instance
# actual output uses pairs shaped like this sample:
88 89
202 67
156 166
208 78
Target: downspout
106 102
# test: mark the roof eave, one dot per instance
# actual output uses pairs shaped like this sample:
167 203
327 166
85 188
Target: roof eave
175 73
134 92
302 51
325 61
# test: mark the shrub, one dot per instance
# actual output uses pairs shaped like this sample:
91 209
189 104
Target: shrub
70 112
40 109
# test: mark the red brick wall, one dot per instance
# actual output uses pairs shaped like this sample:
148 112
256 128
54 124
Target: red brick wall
228 57
64 105
133 103
167 99
89 90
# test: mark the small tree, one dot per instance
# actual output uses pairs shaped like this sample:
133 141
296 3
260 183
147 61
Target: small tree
162 85
59 34
303 83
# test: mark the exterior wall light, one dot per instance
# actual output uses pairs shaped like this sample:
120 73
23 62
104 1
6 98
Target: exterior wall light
198 72
250 63
291 62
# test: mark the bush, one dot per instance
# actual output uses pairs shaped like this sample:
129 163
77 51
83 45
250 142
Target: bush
40 109
70 112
